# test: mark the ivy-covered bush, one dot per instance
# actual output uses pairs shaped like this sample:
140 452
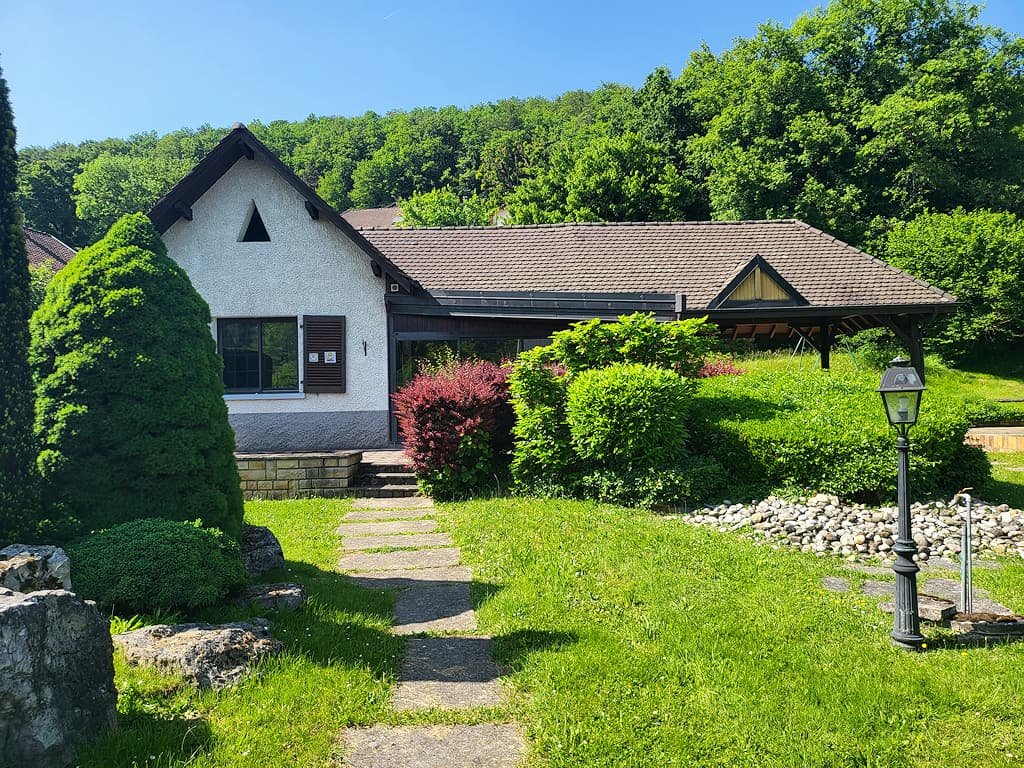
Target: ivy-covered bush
456 423
826 432
130 413
145 565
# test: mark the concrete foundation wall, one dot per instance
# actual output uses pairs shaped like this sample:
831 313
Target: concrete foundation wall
324 431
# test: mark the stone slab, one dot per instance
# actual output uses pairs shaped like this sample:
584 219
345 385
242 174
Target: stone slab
434 608
405 559
929 608
387 528
947 590
448 673
835 584
403 502
950 590
410 577
434 746
990 626
387 514
406 541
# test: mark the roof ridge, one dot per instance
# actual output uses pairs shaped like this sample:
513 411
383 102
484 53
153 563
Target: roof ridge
924 283
586 224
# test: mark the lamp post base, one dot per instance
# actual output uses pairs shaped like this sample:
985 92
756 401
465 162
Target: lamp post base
908 642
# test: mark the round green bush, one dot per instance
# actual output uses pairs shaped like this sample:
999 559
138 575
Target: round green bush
627 417
152 564
130 414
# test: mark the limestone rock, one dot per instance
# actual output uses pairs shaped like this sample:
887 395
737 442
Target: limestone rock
261 551
56 677
275 597
26 568
206 655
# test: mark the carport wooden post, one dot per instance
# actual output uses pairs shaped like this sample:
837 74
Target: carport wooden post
826 336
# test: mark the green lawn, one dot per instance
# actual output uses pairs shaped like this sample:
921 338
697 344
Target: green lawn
630 640
1001 381
337 670
1007 484
635 640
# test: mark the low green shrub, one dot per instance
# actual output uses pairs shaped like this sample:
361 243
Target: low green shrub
826 432
628 417
990 413
681 346
695 479
156 564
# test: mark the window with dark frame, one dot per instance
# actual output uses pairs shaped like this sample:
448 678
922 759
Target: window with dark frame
260 354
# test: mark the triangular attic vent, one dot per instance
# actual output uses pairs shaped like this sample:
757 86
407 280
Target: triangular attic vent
758 284
255 230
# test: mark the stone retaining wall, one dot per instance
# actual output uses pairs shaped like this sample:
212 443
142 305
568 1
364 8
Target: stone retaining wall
297 475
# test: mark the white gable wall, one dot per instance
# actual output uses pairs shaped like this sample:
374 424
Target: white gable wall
309 267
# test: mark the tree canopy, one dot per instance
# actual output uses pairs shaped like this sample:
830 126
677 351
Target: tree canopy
859 115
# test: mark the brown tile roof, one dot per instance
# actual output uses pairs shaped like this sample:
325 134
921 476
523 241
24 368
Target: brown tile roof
372 217
46 249
697 259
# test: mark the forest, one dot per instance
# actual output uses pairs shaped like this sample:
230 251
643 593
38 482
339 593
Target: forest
896 125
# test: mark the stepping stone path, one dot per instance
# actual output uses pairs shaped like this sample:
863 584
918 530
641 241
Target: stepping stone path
394 544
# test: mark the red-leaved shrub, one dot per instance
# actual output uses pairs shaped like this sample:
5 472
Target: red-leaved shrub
456 423
720 367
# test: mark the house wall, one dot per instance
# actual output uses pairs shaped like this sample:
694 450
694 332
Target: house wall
308 268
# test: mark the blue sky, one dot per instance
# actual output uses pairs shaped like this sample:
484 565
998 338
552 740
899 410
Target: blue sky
81 70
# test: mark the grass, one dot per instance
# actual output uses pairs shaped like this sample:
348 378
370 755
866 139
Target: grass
1001 381
1007 485
337 670
637 640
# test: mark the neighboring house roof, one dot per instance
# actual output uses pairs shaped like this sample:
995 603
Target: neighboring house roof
239 143
362 218
696 259
44 249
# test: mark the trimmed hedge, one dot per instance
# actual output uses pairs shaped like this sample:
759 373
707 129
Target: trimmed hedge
826 432
153 564
629 417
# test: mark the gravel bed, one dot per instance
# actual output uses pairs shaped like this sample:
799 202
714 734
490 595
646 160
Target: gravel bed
857 532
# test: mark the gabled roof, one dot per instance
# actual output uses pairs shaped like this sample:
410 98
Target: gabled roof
240 143
697 259
758 263
361 218
44 249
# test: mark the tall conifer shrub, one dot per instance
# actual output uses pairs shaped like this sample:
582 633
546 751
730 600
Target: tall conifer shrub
130 410
18 500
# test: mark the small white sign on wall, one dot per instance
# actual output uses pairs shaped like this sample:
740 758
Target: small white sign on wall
330 357
314 357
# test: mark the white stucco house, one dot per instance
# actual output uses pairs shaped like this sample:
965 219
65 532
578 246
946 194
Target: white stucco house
318 322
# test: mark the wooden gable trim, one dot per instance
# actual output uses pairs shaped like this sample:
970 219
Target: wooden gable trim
759 263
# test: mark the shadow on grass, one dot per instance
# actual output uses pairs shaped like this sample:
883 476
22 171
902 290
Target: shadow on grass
512 650
1005 492
140 735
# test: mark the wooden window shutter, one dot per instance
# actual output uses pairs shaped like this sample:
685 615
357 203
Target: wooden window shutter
323 353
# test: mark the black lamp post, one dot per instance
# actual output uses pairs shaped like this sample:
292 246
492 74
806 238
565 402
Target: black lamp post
901 391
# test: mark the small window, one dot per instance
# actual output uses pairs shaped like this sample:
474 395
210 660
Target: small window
254 231
260 354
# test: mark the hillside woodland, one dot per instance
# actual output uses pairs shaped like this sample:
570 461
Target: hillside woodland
897 125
